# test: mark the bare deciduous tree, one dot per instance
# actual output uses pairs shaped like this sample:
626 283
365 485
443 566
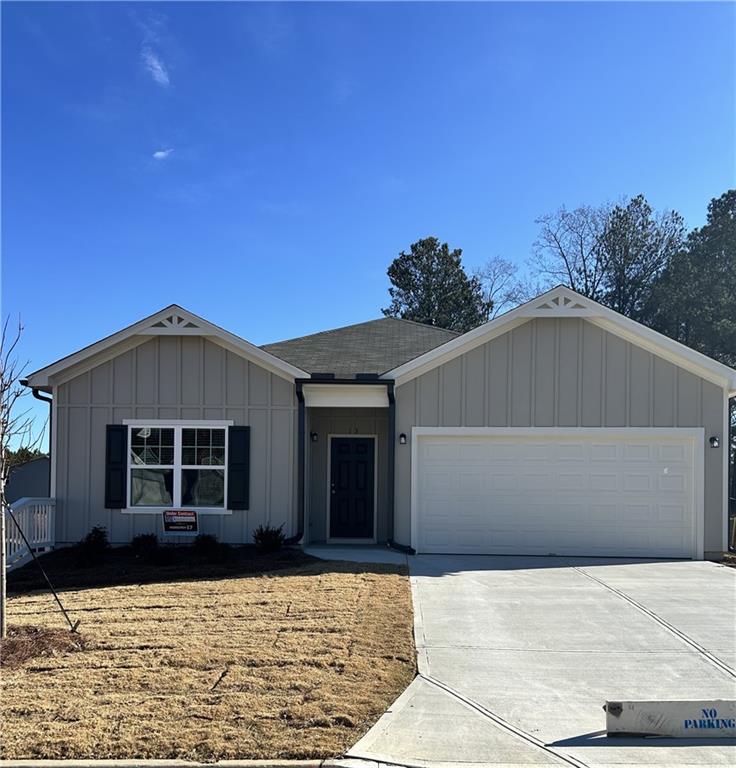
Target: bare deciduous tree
568 250
502 288
16 428
611 253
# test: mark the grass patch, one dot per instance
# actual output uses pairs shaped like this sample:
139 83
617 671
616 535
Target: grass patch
296 658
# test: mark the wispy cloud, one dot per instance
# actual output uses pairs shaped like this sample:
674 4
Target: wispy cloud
152 27
162 154
155 66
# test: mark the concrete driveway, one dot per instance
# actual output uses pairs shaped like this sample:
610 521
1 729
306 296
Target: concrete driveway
518 655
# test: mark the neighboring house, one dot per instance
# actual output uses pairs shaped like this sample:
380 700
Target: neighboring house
560 427
30 479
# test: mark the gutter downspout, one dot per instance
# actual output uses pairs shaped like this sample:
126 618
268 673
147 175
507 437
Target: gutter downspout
392 471
391 460
301 433
43 398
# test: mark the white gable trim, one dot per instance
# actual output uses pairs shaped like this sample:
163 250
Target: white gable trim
173 320
564 302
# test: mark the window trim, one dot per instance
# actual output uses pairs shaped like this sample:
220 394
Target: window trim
177 425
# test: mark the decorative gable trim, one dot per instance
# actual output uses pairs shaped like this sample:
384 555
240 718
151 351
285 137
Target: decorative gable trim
171 321
560 304
176 324
564 302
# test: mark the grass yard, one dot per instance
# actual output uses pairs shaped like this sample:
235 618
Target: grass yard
253 656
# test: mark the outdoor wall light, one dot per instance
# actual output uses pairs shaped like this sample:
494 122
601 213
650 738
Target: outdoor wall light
313 437
402 439
714 442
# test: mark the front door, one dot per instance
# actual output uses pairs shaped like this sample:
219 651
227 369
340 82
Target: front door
352 464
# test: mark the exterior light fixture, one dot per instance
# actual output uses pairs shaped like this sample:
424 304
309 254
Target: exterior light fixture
313 437
402 439
714 442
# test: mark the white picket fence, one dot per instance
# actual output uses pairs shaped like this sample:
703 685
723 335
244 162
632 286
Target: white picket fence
36 519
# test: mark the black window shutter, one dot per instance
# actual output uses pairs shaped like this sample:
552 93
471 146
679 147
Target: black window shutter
116 466
238 467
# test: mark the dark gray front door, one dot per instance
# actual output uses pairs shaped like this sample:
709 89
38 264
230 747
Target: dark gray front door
352 464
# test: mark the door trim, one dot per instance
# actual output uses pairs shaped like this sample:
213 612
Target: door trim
696 436
374 538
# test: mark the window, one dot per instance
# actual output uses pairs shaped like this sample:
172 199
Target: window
178 466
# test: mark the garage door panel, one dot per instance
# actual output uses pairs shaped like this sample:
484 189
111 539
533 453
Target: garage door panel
637 452
672 482
574 453
603 452
568 481
596 496
604 481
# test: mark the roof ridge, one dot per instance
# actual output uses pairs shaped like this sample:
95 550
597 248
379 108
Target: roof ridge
355 325
322 333
423 325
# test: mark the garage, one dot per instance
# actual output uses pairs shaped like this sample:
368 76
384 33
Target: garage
632 492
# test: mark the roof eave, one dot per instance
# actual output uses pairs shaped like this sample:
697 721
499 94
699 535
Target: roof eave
564 302
138 333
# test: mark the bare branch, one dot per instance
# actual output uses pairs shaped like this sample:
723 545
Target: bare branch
16 423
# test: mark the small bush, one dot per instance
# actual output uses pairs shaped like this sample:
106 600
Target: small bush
269 539
144 543
93 547
207 546
145 547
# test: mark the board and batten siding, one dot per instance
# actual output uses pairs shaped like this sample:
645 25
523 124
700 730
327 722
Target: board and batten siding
561 372
173 377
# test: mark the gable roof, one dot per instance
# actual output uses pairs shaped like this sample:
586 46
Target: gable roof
564 302
172 320
372 347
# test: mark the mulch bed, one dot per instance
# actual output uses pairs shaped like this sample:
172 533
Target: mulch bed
123 565
28 642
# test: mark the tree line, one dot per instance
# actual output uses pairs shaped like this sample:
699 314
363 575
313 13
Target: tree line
637 261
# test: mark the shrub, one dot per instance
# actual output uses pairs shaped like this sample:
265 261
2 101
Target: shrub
145 546
93 547
207 545
144 542
269 539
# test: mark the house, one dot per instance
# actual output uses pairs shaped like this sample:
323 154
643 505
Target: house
559 427
30 479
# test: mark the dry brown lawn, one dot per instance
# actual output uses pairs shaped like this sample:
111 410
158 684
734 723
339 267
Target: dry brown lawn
290 663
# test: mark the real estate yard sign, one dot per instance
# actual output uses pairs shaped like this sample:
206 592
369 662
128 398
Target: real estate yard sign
181 521
676 719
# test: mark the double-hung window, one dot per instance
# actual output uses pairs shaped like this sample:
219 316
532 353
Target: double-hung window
177 465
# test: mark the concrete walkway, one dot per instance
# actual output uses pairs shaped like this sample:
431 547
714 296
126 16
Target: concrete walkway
517 656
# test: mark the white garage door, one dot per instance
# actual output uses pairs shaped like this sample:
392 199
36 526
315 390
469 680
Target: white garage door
568 492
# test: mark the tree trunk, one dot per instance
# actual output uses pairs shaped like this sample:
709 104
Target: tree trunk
3 575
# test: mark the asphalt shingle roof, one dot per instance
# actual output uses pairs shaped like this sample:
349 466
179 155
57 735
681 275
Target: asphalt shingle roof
373 347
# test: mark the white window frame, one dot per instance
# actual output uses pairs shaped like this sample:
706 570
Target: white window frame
178 426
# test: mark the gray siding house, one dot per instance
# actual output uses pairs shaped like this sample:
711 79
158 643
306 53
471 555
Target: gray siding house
560 427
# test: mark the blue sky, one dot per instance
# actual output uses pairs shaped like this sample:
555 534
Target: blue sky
262 164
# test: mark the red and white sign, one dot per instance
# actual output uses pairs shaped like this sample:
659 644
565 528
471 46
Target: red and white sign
180 521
